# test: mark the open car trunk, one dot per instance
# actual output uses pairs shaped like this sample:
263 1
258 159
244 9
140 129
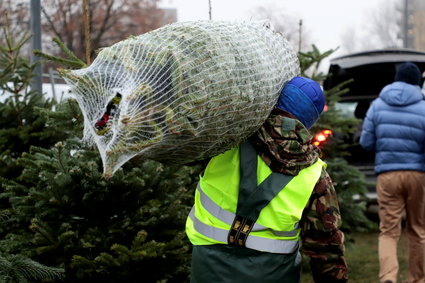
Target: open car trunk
370 71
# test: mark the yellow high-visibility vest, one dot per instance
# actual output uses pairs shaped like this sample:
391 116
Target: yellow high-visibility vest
277 228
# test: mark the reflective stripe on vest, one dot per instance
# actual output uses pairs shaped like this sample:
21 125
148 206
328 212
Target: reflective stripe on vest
253 242
228 217
216 199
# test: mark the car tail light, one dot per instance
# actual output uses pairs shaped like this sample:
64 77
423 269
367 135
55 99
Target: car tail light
321 137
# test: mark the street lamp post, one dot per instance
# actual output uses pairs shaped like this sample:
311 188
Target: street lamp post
35 23
209 10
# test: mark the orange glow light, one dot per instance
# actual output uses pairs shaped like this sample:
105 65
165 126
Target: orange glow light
320 137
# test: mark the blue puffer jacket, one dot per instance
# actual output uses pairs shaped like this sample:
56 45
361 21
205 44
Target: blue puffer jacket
394 128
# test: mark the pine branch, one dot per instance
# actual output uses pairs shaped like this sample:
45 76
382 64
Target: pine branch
4 50
17 268
66 50
62 61
59 147
6 29
21 42
39 227
72 61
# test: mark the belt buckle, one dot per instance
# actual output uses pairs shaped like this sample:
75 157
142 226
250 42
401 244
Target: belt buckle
238 234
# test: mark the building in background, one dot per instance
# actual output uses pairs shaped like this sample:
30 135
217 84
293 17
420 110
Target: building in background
418 24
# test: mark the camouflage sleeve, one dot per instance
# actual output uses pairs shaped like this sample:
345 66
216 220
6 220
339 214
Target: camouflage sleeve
322 240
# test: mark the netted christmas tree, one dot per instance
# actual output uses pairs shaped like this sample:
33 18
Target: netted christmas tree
182 93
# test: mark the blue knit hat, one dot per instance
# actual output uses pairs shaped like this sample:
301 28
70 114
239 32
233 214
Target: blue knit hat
409 73
304 99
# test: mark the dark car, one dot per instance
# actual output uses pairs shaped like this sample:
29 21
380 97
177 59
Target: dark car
370 71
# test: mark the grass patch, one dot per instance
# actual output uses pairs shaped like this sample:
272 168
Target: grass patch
362 259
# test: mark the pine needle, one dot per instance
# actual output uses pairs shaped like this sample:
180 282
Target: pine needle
62 61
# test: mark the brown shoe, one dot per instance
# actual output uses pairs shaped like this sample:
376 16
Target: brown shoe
388 281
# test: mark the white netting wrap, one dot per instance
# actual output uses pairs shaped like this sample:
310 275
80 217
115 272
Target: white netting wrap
184 92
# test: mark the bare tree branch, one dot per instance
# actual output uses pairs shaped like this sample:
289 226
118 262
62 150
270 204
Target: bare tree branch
86 17
106 18
49 19
109 21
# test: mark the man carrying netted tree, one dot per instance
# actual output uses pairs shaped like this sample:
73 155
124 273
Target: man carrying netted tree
257 205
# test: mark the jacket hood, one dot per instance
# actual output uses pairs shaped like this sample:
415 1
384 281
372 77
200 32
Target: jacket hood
401 94
284 143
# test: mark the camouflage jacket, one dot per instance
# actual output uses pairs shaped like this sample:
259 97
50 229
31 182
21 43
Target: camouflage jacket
285 145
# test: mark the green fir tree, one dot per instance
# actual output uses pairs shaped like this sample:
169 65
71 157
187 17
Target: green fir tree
348 180
122 229
21 126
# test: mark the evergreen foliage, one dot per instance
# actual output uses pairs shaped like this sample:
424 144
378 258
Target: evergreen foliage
24 270
330 118
20 124
124 229
70 61
20 127
347 179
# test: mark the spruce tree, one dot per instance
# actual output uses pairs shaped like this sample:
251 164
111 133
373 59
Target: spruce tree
21 126
127 228
347 179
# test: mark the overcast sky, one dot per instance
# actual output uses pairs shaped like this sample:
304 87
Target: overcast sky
325 20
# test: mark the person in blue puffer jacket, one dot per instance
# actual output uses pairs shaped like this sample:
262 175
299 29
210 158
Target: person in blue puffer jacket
394 128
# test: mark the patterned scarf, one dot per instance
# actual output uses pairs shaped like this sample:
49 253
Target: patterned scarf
284 143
